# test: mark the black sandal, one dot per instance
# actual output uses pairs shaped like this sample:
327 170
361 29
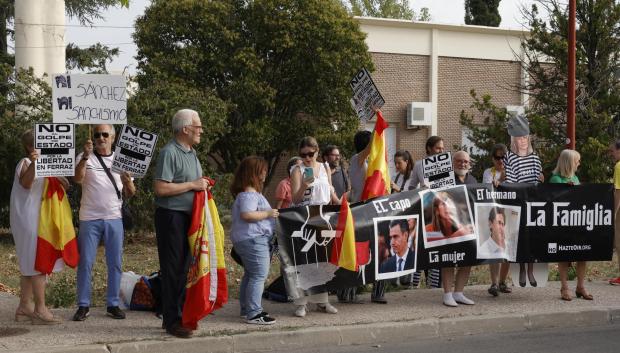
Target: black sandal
504 288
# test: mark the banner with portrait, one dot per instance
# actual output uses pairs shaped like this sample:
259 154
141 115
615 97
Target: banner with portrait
463 225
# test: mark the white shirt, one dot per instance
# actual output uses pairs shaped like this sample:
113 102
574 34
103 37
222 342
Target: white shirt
319 192
490 175
491 249
99 199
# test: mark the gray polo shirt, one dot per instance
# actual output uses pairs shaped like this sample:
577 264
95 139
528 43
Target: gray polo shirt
175 164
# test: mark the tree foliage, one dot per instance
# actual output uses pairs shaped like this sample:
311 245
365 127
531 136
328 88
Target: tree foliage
545 62
32 96
92 59
482 13
598 91
280 69
398 9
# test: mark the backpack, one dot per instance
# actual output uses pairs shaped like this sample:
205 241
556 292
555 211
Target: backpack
146 294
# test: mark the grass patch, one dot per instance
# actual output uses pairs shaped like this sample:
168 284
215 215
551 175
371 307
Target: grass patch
140 256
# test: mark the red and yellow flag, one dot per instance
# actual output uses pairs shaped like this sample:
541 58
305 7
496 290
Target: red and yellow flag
343 249
206 288
377 175
56 235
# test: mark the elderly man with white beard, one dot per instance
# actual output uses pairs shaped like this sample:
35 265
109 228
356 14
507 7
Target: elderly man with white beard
462 165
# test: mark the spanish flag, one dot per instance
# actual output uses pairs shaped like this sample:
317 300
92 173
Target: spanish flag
206 288
56 235
343 247
377 175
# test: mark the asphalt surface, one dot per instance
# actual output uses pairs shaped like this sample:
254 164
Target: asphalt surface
417 313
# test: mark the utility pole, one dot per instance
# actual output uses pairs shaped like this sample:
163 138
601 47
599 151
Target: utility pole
40 36
570 116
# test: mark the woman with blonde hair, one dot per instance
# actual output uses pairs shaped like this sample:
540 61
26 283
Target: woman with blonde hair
25 207
521 165
564 173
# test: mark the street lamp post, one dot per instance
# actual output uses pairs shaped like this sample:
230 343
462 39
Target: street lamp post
570 118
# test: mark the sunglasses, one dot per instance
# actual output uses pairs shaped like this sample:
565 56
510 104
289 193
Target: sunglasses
100 134
498 158
305 155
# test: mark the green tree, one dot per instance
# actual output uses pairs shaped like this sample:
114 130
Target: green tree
398 9
92 59
545 62
598 90
281 66
482 13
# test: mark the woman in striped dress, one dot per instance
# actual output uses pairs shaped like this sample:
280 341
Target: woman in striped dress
522 165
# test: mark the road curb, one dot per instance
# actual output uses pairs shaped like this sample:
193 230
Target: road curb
374 333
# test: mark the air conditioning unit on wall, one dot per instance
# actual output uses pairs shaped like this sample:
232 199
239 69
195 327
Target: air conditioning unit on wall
418 114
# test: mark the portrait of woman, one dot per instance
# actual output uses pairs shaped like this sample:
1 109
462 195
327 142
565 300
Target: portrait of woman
447 216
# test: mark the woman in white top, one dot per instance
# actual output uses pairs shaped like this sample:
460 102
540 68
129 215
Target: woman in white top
496 174
404 167
25 207
311 185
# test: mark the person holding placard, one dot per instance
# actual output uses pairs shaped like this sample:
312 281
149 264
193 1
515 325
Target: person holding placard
100 219
434 145
25 206
177 175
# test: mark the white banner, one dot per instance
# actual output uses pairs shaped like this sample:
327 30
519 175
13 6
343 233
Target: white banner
134 150
55 144
366 96
89 99
438 171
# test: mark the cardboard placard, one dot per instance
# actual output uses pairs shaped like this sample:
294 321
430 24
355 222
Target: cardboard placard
438 171
89 99
366 95
55 144
134 150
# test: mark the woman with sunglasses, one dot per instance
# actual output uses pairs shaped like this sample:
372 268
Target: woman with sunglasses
311 185
495 175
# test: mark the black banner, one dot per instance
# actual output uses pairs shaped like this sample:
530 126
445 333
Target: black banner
455 226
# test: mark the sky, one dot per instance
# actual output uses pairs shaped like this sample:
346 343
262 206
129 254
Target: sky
118 25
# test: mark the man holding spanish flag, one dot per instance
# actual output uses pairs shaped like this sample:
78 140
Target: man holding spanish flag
178 176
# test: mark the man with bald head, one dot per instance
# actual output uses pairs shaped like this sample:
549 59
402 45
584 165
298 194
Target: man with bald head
100 219
177 176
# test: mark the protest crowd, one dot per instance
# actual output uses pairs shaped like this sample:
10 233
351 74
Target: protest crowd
190 237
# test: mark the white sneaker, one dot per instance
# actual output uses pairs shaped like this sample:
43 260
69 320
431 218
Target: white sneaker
448 300
300 311
460 298
326 308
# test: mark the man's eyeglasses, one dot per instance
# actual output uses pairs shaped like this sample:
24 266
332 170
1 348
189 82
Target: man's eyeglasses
305 155
498 158
101 134
199 127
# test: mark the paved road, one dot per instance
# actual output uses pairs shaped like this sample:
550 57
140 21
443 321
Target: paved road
603 339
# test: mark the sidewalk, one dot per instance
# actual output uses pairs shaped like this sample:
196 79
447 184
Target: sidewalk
410 313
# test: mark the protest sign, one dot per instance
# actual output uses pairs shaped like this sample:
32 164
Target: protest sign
366 96
89 99
542 223
55 144
134 150
438 171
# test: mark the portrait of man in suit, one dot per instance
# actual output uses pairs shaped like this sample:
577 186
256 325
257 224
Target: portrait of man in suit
403 257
